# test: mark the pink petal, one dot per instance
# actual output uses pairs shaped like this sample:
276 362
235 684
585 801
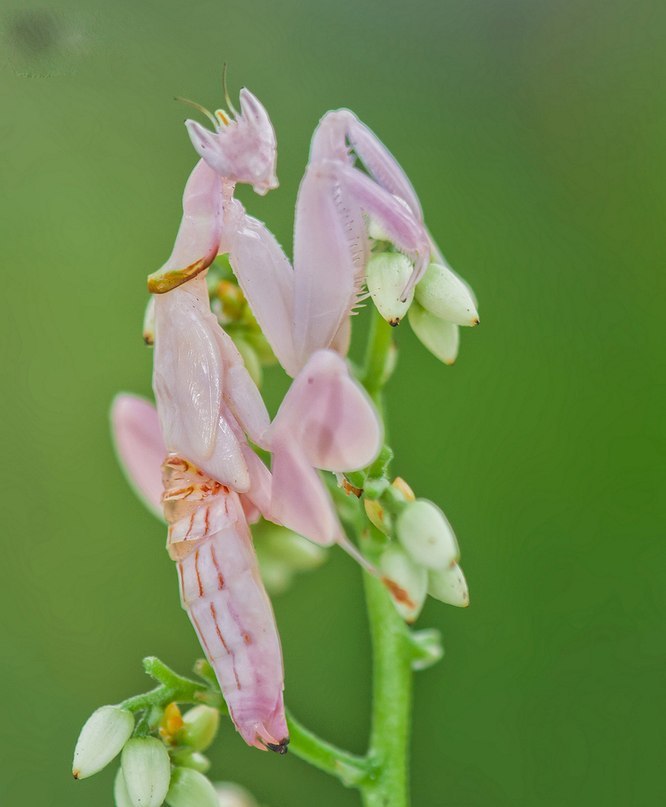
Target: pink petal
141 450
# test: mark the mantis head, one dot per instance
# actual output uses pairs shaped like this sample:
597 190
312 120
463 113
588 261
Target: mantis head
243 147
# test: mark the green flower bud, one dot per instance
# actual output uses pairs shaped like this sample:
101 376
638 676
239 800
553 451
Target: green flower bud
120 794
191 759
233 795
146 771
199 728
250 358
442 293
261 346
426 535
276 576
449 586
387 275
427 647
407 581
442 338
102 737
295 550
189 788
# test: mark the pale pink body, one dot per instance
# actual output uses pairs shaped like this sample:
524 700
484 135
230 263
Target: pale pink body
223 594
207 402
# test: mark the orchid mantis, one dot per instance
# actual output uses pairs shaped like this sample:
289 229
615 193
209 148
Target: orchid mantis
210 411
208 407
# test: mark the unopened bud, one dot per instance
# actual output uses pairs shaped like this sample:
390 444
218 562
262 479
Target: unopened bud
261 346
443 293
250 359
449 586
230 794
427 648
400 485
406 580
426 535
120 795
189 788
231 299
376 231
441 337
149 322
199 728
146 771
191 759
378 515
170 723
387 275
102 737
301 554
276 575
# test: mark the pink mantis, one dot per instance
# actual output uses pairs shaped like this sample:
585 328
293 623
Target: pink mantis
209 408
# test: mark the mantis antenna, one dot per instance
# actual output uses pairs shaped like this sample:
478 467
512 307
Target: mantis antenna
226 91
201 109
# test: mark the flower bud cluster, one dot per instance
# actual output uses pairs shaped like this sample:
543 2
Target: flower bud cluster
422 554
164 765
439 304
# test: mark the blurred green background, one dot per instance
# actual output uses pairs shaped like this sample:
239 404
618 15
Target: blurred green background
533 131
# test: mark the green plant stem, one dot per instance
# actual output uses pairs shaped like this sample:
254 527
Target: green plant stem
391 646
380 341
172 688
351 770
391 700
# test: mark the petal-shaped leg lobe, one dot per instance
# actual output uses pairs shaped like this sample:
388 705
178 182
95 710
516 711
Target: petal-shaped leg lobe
140 447
328 416
300 500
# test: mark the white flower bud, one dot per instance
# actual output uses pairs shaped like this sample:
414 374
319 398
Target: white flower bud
442 338
120 794
386 276
102 737
426 535
233 795
376 231
189 788
199 727
449 586
411 580
146 770
443 293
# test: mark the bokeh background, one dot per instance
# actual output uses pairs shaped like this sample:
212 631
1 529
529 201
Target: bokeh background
534 133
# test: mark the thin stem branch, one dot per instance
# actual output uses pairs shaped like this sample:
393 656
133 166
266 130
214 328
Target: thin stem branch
350 769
